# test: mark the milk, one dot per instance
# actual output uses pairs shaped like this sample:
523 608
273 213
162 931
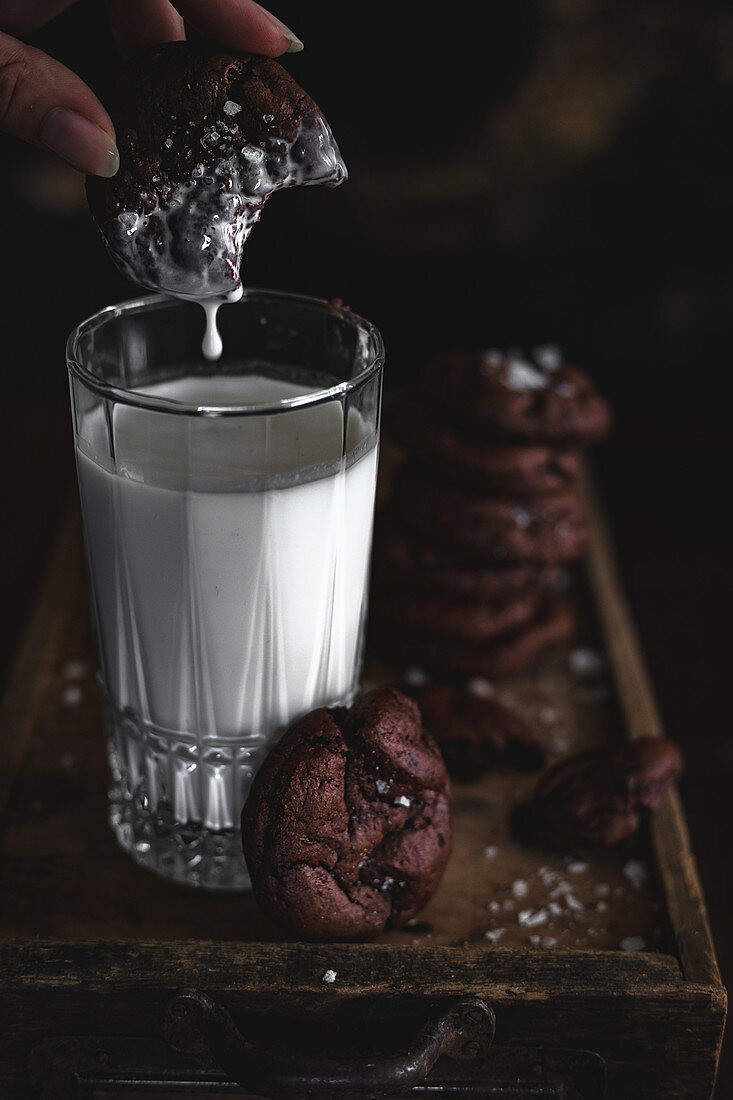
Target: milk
228 561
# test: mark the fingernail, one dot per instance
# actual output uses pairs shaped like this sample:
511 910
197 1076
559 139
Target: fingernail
295 44
82 143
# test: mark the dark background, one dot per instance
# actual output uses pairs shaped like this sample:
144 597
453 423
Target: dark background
520 173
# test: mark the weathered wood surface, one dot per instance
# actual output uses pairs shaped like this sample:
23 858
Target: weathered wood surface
92 945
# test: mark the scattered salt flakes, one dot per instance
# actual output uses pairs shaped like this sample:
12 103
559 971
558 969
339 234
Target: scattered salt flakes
572 903
207 242
560 743
521 375
493 907
494 934
168 143
577 867
382 786
72 696
415 677
601 907
403 800
530 918
554 909
490 852
507 905
231 108
548 716
548 356
482 688
75 669
329 977
584 661
548 941
602 889
636 873
520 888
535 940
268 118
632 943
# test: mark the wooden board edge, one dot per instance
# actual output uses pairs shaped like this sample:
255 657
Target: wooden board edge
670 839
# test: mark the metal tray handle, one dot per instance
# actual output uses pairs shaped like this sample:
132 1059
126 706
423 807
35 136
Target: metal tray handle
193 1022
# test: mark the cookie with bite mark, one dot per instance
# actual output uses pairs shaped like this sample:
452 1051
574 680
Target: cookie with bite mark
204 138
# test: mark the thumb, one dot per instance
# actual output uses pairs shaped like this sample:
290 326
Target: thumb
44 103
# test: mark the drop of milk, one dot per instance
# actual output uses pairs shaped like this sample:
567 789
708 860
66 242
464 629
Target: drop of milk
211 345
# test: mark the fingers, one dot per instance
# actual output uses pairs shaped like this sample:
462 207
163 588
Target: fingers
137 24
44 103
240 25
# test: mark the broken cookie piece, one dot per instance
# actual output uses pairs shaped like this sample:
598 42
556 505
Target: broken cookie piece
204 138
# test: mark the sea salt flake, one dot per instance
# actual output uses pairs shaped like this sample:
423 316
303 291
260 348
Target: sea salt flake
415 677
548 356
494 934
577 867
329 977
72 696
231 108
530 918
601 907
602 889
632 943
382 786
168 143
507 905
402 801
584 661
490 360
520 888
572 903
548 716
490 852
521 375
74 669
636 873
493 907
480 687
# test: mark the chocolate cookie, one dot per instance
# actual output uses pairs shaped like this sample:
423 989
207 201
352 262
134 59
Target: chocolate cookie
403 560
204 137
475 734
347 829
494 528
511 654
542 399
598 797
422 427
470 620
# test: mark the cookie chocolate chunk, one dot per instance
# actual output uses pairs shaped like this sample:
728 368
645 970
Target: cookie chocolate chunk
543 399
204 138
347 830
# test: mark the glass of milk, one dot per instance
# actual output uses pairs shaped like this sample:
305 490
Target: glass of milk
227 511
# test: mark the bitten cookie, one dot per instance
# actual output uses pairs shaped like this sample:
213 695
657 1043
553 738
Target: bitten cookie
510 468
511 654
475 734
347 829
543 399
204 137
545 528
404 560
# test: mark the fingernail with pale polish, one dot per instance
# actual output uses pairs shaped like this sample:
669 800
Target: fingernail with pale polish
82 143
295 44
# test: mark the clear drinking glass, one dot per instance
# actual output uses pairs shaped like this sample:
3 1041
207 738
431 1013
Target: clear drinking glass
227 512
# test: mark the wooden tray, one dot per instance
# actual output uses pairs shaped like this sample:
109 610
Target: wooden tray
93 949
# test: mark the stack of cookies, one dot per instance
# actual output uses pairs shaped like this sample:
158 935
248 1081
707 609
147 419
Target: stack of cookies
484 513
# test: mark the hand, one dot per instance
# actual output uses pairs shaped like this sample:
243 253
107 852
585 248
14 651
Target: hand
43 102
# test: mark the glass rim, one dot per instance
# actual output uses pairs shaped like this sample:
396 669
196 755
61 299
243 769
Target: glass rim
170 405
